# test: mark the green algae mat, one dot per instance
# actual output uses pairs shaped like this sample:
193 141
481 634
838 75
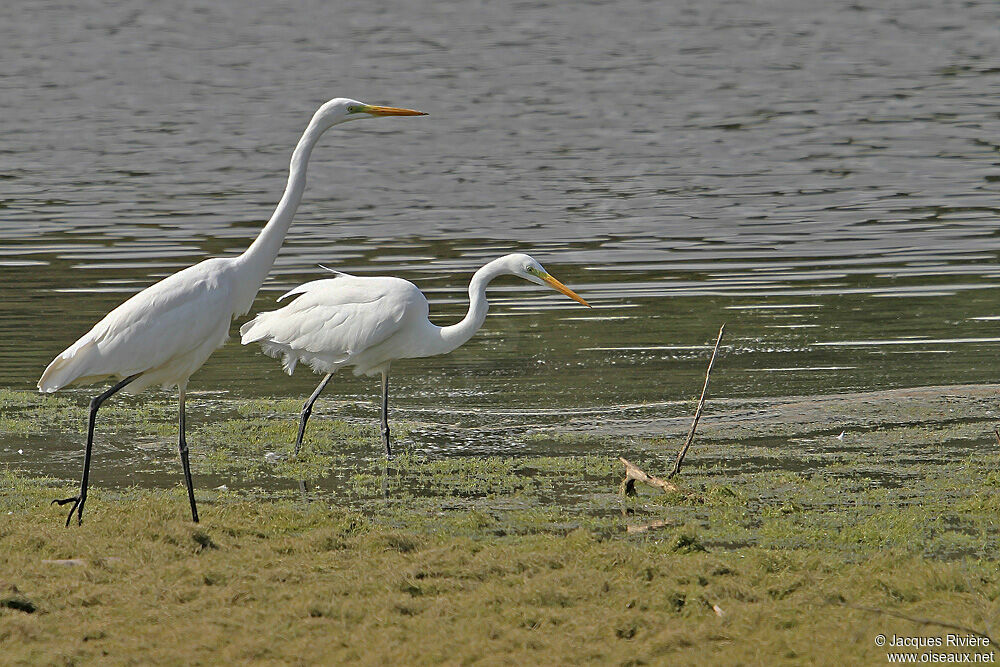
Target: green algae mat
867 532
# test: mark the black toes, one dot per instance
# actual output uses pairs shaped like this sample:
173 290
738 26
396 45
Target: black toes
77 507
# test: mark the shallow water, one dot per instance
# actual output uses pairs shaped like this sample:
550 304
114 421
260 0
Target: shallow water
822 177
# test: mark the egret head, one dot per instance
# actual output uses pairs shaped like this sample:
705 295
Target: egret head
342 109
528 268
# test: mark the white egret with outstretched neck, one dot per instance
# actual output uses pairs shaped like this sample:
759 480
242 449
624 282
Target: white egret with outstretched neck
369 322
167 331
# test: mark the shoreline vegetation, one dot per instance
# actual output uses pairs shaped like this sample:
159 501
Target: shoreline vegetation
800 547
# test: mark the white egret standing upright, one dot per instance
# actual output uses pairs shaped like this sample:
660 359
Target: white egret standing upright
369 322
167 331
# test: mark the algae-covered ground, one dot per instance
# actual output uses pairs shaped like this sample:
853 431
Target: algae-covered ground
799 547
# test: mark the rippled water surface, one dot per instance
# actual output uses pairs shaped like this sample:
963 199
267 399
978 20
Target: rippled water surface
824 177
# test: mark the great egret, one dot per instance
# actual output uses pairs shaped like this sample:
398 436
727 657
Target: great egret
369 322
165 333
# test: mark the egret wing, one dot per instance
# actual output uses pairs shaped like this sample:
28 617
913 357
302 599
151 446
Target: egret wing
168 319
333 320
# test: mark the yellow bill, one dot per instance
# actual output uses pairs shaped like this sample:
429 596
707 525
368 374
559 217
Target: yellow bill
559 287
391 111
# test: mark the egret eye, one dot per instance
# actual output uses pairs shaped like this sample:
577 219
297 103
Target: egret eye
351 109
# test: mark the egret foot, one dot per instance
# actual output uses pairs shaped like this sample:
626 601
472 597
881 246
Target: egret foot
77 504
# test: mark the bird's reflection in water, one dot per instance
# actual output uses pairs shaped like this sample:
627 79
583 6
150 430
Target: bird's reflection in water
304 484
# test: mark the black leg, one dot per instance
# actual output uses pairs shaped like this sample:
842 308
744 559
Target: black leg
385 413
95 405
307 410
182 443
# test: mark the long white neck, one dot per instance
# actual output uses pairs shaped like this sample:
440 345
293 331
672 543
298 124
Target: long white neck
456 334
260 256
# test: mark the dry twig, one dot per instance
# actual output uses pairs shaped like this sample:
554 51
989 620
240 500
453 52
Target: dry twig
634 473
646 527
701 404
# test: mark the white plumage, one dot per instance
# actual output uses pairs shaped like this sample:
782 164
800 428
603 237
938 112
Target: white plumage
167 331
368 322
339 321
